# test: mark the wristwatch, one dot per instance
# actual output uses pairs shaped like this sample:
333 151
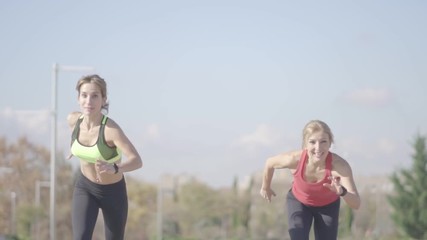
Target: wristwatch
344 191
116 168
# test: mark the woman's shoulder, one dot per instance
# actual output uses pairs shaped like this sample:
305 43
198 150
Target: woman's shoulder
112 125
110 122
112 131
339 163
72 118
296 154
294 157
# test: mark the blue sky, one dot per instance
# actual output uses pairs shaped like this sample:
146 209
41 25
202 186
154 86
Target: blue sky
213 88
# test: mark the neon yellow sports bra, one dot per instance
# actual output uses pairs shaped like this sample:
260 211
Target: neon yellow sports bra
99 151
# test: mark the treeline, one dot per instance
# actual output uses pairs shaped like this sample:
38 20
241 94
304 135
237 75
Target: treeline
187 209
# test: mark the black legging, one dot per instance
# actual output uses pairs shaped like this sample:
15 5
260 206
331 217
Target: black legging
88 198
300 218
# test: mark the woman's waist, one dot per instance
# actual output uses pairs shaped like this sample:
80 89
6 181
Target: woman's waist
315 196
88 170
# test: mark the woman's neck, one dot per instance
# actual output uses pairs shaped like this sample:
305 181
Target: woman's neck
316 163
91 121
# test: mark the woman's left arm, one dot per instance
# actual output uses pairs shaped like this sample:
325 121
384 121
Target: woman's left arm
121 141
343 176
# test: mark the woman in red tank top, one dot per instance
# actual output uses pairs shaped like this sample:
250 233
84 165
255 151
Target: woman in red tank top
321 178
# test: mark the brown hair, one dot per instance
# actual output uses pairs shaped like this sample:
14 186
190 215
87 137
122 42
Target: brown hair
316 126
100 82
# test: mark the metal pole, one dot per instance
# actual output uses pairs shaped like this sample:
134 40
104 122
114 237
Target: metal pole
53 151
13 206
37 197
37 203
54 112
159 212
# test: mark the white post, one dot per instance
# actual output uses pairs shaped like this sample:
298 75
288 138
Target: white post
159 211
39 184
13 206
55 69
53 152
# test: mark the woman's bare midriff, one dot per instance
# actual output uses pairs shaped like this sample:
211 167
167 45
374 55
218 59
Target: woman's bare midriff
89 171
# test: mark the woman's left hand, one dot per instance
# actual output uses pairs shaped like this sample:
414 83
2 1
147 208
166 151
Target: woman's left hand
335 185
104 167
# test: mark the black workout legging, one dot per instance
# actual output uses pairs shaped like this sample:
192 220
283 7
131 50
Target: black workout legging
88 198
300 218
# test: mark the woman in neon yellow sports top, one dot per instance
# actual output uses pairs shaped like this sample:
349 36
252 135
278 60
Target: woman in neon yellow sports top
99 143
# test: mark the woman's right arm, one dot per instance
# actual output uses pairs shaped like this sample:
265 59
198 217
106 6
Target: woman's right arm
72 118
284 160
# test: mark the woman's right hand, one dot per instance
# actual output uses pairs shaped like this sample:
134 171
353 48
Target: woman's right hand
267 193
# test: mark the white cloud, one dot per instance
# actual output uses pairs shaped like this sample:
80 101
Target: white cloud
33 121
263 135
374 97
348 147
351 146
35 125
380 155
148 136
153 131
387 146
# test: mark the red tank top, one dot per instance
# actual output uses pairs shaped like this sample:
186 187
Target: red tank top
313 194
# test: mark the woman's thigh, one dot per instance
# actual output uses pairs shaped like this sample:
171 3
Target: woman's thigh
299 218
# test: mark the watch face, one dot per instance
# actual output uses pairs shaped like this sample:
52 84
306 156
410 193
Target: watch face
344 191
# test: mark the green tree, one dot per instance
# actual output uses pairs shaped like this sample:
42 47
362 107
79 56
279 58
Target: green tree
246 207
28 163
142 202
346 221
202 211
241 209
409 200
